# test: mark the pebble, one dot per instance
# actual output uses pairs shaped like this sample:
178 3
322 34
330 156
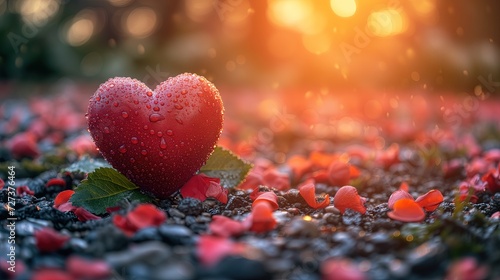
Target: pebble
332 209
237 268
351 217
176 234
146 234
173 212
174 270
148 253
299 227
190 206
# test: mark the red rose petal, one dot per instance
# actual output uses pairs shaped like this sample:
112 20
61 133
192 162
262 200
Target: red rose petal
122 223
51 274
225 227
83 144
404 187
55 182
341 269
275 179
83 215
321 160
348 197
2 183
339 173
63 197
320 176
146 215
24 145
407 210
269 197
308 192
217 191
212 249
431 200
397 195
81 268
252 181
299 166
24 190
495 215
466 268
65 207
48 240
262 219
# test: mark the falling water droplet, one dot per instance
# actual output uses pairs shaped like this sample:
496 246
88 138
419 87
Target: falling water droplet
106 129
124 114
170 132
156 117
122 149
163 144
134 140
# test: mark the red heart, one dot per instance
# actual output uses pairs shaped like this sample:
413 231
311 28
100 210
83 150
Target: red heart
158 139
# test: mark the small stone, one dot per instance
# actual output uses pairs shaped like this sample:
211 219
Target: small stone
190 206
351 217
301 228
149 253
332 209
146 234
172 212
176 234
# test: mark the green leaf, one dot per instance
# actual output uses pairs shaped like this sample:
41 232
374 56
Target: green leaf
105 187
86 165
227 166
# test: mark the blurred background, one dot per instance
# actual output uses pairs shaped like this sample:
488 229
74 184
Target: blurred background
347 44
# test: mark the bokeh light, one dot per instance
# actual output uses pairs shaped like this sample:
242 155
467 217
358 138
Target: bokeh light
343 8
81 28
141 22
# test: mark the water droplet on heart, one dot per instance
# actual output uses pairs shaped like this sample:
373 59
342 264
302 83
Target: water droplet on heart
156 117
169 94
159 133
111 85
183 92
194 86
151 132
170 132
186 103
162 103
178 106
156 108
144 152
132 160
106 129
149 94
115 104
112 152
98 98
134 140
136 101
160 154
179 121
163 144
148 106
124 114
122 149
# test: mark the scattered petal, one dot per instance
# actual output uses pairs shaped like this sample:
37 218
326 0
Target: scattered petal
201 187
51 274
431 200
269 197
308 192
299 166
339 173
144 215
348 197
275 179
48 240
81 268
397 195
24 190
212 249
55 182
261 218
83 215
24 145
407 210
2 184
495 215
341 269
226 227
253 180
63 197
466 268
